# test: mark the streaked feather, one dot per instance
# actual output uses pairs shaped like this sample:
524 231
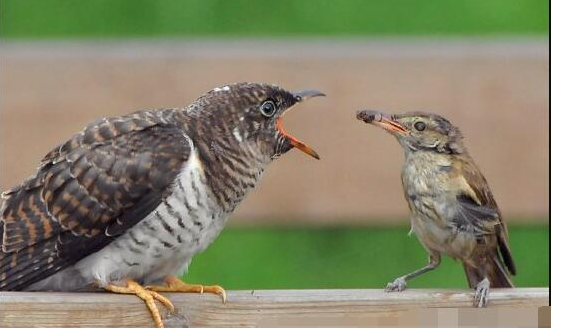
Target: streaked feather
105 179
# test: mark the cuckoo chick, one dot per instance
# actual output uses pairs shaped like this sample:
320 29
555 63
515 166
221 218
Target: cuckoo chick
129 200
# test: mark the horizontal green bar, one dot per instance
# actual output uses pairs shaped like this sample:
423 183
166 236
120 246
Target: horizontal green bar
149 18
347 257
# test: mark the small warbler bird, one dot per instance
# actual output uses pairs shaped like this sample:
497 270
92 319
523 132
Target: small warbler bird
453 211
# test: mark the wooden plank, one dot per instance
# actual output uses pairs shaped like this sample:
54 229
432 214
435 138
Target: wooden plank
247 308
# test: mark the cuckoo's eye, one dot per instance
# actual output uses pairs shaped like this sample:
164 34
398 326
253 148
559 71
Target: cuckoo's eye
268 108
420 126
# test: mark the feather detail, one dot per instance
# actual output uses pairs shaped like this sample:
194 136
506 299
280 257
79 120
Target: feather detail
88 190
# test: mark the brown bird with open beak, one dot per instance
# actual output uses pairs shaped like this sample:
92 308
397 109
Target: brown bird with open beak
129 201
453 211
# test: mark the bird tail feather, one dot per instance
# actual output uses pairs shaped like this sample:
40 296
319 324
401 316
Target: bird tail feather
505 251
20 269
493 269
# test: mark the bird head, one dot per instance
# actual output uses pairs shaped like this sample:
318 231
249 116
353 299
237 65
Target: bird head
251 114
418 130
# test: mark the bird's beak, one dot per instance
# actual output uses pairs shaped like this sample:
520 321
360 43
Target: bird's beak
299 96
306 94
382 120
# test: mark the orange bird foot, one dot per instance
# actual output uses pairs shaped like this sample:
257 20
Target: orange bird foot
148 296
173 284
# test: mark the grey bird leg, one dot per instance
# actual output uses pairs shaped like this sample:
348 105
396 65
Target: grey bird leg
482 293
400 284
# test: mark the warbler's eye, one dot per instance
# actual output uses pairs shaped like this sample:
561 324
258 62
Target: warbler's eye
268 108
420 126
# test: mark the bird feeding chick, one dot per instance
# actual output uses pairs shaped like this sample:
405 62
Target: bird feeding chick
126 203
453 211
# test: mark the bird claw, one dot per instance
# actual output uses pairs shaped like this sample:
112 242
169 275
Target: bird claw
148 296
174 284
482 293
398 285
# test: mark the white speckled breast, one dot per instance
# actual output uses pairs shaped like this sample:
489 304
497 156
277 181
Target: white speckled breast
163 243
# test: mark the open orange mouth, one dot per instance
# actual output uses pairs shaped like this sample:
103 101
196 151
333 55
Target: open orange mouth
294 141
299 96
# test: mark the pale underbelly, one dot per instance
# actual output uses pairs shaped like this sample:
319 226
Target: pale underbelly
146 253
439 238
161 244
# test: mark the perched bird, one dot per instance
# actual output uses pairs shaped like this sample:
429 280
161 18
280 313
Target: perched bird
130 200
453 211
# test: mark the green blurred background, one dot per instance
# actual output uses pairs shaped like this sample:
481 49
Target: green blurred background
340 256
347 257
148 18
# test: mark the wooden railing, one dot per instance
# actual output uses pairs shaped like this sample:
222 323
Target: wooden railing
268 308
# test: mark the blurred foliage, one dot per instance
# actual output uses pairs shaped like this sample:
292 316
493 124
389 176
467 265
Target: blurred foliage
139 18
345 257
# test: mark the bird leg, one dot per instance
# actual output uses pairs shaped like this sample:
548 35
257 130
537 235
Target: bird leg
482 293
400 284
174 284
148 296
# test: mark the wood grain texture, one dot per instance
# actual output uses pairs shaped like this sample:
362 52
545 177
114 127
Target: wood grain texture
248 308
